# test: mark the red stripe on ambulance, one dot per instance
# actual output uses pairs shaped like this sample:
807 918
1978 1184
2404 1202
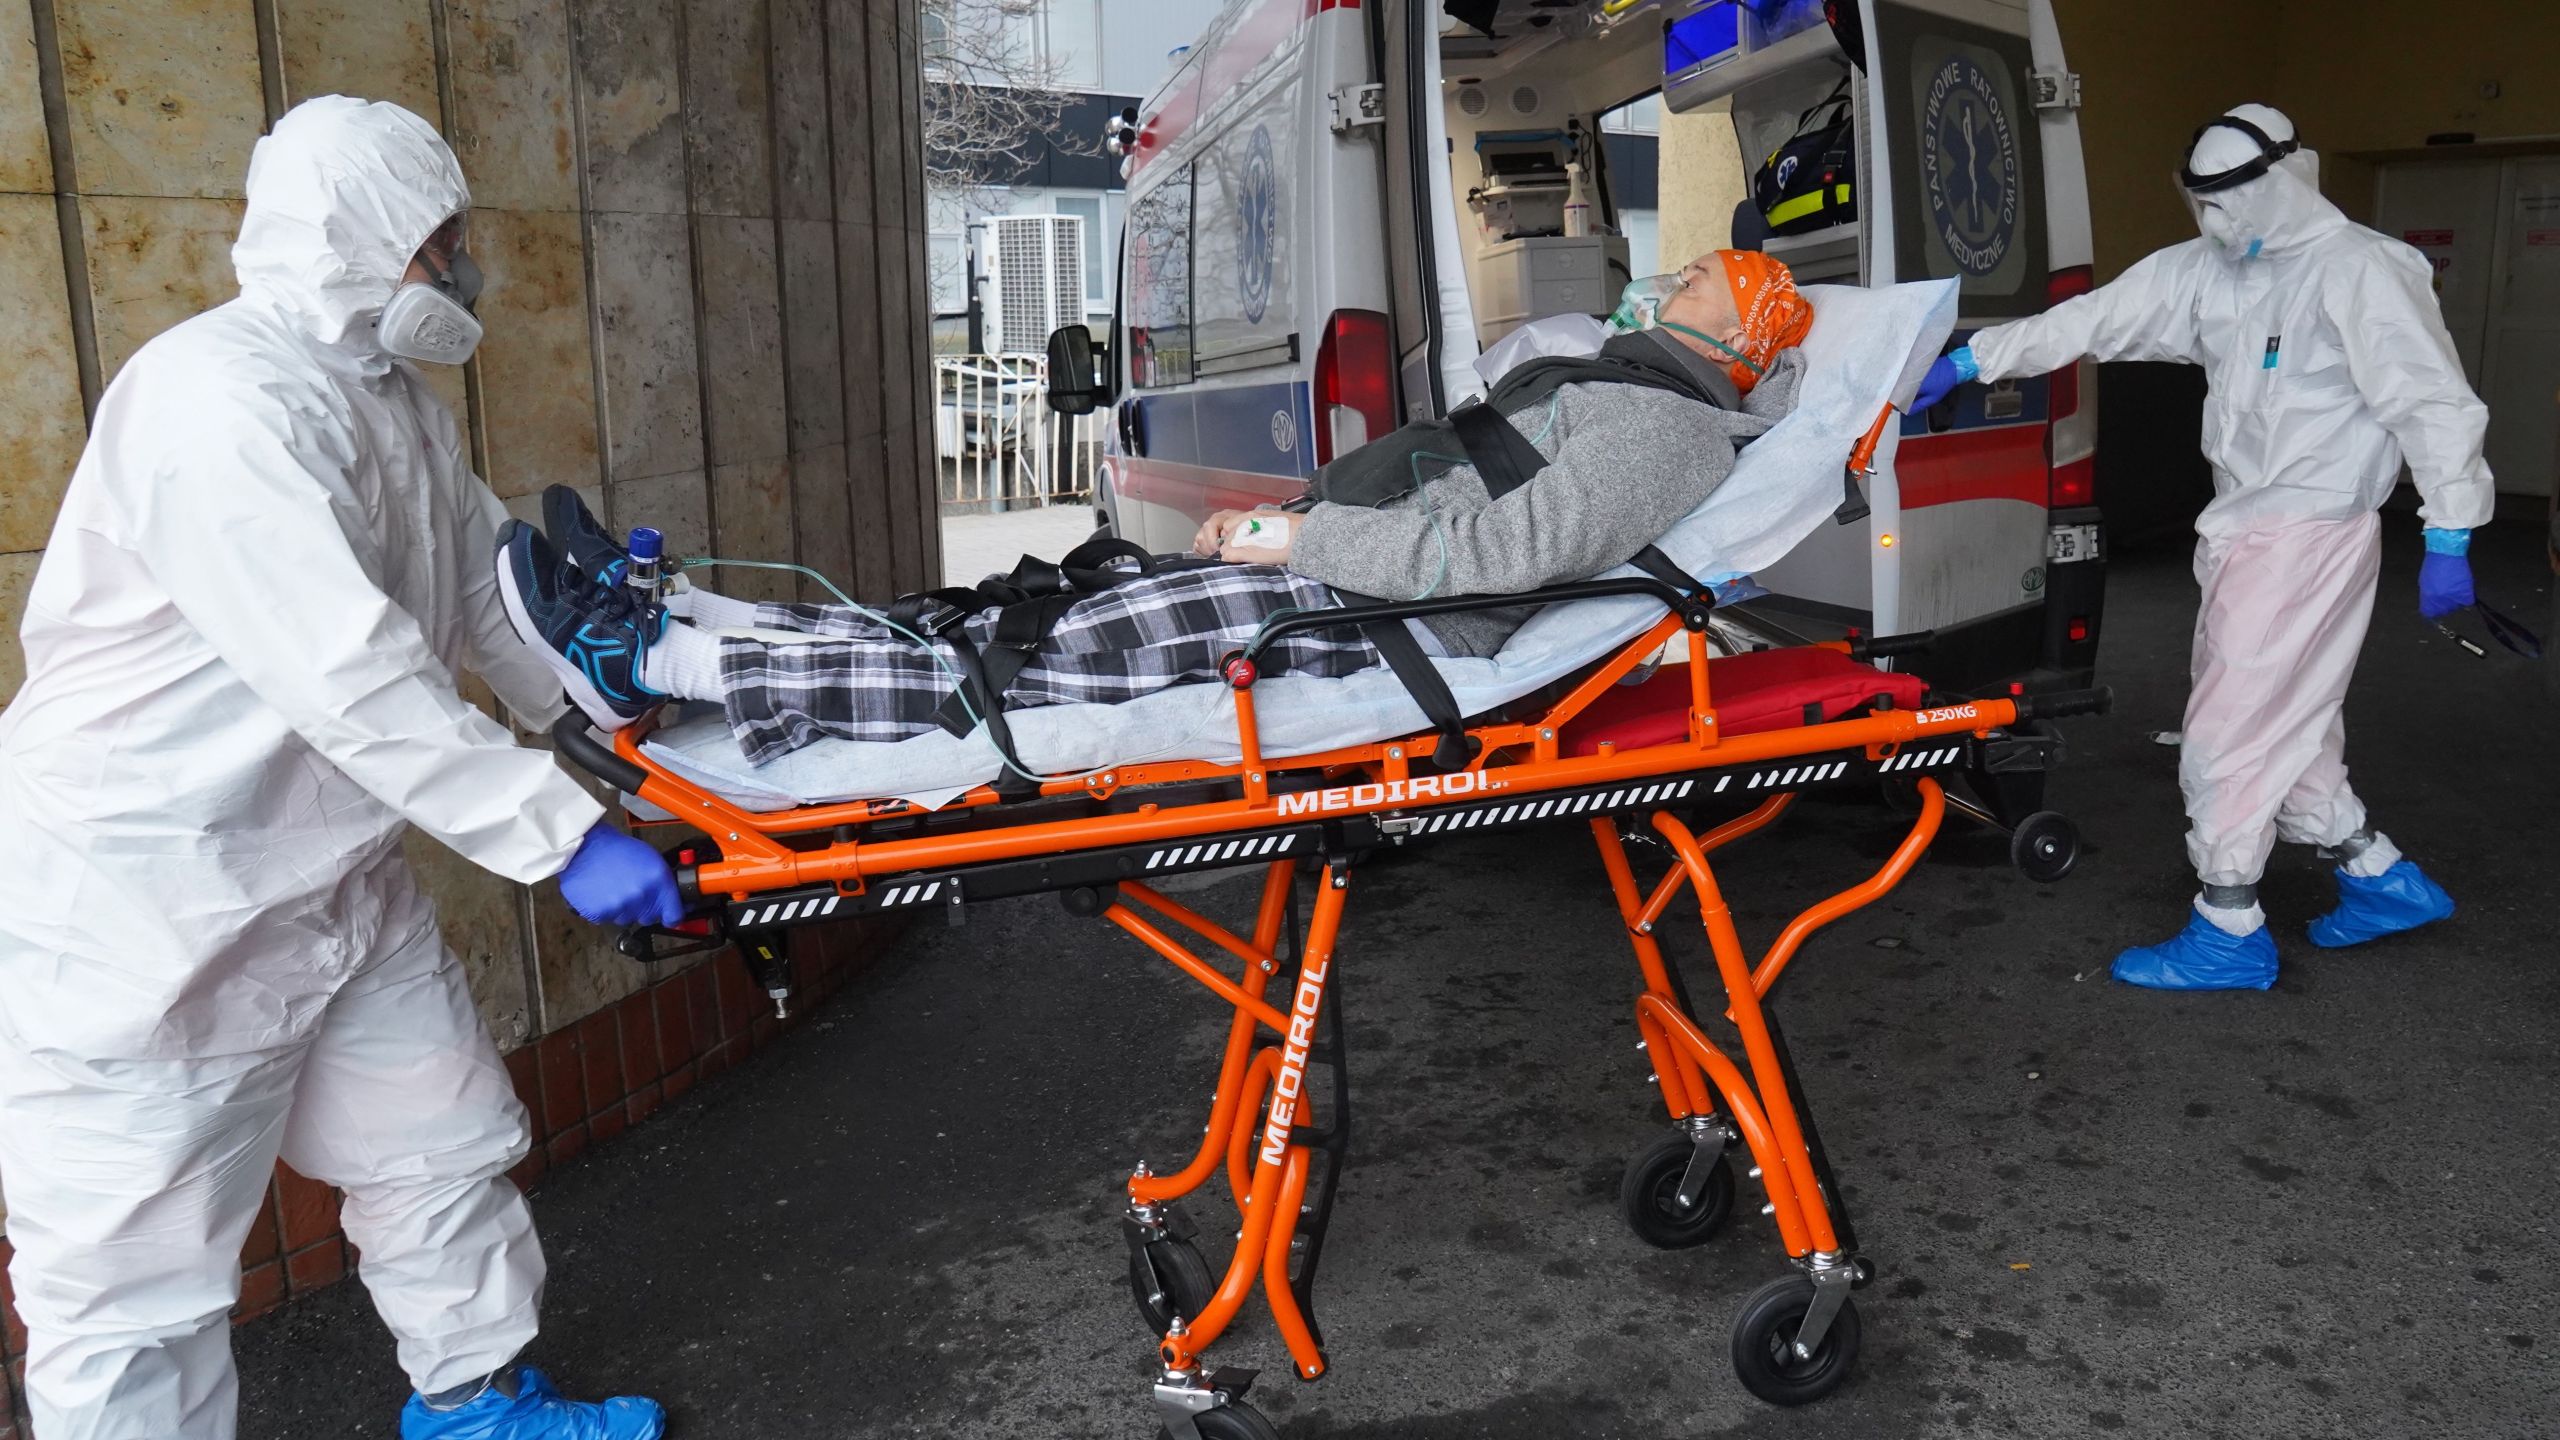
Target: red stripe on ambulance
1201 487
2005 462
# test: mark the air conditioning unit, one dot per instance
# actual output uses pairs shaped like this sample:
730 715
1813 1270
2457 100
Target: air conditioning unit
1030 279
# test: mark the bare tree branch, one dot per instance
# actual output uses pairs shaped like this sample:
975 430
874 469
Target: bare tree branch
993 97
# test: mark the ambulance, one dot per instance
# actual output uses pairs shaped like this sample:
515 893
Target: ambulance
1335 206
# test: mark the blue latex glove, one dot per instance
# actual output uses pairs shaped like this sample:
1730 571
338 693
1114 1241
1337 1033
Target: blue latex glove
1951 370
2444 578
617 880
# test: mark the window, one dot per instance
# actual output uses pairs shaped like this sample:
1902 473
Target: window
1636 117
1644 242
946 259
1160 282
1101 211
1097 245
1247 303
934 32
1071 43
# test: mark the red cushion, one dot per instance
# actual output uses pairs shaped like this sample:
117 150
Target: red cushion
1761 690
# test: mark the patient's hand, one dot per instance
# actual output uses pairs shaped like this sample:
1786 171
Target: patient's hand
1264 537
1213 533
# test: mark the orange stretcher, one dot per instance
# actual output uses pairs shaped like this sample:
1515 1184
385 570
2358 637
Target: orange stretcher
1743 735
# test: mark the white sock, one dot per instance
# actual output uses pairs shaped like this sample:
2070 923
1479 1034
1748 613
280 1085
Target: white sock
2379 856
683 662
2243 922
719 612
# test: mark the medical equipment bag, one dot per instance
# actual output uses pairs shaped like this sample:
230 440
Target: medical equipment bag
1811 181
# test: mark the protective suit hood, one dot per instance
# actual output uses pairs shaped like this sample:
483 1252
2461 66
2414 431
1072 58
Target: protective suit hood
341 195
2281 209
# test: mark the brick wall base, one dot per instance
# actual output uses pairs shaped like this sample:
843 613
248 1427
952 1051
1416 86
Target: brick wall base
582 1085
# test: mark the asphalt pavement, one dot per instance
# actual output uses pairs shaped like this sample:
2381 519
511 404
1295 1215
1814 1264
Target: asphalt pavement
2326 1210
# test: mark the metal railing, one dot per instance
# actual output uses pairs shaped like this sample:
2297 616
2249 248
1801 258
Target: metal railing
999 444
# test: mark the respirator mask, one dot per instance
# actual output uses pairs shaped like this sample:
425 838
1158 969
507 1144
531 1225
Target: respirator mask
431 319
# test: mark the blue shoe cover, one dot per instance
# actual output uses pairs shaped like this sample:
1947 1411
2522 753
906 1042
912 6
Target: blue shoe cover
2369 907
535 1412
2202 957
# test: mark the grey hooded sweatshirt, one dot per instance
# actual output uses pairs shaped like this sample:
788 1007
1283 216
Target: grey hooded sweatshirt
1624 464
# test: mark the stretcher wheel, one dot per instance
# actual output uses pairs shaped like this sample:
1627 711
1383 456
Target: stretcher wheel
1764 1336
2045 846
1167 1278
1234 1420
1649 1196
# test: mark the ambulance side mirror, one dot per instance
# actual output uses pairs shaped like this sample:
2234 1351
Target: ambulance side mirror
1079 371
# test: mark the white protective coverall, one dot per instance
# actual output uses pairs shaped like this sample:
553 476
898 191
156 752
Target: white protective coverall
241 648
2327 365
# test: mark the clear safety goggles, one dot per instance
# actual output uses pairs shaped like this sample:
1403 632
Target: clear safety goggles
446 257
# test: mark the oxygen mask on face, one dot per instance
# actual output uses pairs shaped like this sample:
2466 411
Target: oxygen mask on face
1640 304
1640 307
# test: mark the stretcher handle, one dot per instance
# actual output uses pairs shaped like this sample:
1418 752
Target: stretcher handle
1877 647
573 737
1862 457
1862 464
1692 609
650 944
2059 703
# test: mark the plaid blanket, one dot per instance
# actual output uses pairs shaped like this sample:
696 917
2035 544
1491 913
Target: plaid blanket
864 681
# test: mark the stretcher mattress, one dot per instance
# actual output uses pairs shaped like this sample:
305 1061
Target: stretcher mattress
1753 692
1867 347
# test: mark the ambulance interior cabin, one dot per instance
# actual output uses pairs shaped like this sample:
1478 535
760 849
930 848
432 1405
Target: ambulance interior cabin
1524 85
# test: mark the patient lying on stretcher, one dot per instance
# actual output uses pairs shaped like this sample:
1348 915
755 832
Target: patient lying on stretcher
1602 457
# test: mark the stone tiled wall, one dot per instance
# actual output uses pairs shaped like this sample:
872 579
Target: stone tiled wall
702 225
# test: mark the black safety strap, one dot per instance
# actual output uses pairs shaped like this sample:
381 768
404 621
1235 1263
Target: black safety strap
1853 501
1010 783
985 676
1503 457
1028 602
930 612
1020 627
1662 567
1423 681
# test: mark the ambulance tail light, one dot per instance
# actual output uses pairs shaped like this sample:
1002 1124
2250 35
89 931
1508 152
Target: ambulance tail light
2071 442
1355 383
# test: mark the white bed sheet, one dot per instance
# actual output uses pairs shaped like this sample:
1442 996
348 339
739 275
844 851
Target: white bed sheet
1866 347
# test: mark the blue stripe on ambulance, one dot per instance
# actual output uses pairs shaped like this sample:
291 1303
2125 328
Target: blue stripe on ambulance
1234 427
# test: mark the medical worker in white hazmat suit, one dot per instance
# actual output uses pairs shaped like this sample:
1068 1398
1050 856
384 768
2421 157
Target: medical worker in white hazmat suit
2327 366
241 647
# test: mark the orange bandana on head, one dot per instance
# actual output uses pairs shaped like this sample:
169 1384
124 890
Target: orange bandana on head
1774 315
